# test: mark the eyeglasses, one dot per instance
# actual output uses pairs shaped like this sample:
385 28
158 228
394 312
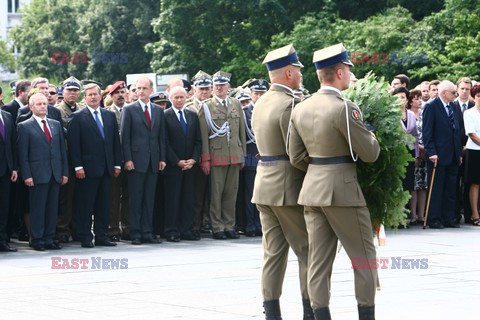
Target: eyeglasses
455 93
52 92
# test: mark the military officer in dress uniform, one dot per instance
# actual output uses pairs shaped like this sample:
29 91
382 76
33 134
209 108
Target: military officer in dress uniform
327 135
71 92
119 211
223 145
278 183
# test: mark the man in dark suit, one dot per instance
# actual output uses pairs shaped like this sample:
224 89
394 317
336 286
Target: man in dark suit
95 154
20 91
43 165
42 85
183 152
143 142
8 173
461 104
441 137
22 87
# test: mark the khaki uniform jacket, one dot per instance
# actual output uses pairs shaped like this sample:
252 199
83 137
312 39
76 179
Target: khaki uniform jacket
319 129
66 112
193 105
218 150
118 114
277 183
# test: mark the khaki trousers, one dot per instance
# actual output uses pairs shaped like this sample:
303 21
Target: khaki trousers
282 227
352 226
119 211
224 180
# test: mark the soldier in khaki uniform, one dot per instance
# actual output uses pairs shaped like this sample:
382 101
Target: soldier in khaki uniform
202 84
327 134
119 211
278 183
71 92
223 146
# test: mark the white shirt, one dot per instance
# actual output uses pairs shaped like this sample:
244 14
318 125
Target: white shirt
1 118
445 106
21 104
471 118
98 113
183 113
461 103
40 123
148 107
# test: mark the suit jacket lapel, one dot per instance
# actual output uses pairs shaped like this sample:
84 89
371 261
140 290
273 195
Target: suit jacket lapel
174 118
39 130
219 106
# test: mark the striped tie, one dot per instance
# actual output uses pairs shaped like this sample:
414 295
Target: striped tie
450 116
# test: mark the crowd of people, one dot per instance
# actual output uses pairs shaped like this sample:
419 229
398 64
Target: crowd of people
127 163
442 119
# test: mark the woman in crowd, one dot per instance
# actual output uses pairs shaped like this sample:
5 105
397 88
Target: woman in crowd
471 118
419 195
409 125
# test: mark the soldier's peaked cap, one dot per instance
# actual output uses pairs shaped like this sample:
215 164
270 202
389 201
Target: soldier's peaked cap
282 57
330 56
202 79
221 77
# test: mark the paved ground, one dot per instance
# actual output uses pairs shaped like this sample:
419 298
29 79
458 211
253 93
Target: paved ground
214 279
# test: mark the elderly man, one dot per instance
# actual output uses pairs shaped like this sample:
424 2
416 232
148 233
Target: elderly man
223 146
43 165
442 140
183 153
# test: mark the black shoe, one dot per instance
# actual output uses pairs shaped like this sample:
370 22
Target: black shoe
87 244
5 247
190 236
272 310
126 237
436 225
136 242
38 247
105 243
206 228
173 238
23 236
232 234
63 238
196 234
53 246
150 240
451 224
366 312
219 235
250 234
115 238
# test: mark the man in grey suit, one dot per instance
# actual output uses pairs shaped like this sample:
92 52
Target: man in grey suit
142 134
43 165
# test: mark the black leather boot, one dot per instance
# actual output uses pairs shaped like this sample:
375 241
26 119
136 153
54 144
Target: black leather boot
322 314
366 312
307 310
272 310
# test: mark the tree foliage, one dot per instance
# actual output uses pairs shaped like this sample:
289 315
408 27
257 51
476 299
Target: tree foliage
7 60
381 181
113 27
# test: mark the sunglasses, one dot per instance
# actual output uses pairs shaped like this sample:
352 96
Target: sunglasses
52 92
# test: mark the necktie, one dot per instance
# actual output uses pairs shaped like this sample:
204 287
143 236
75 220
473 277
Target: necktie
182 122
464 107
99 124
224 102
46 131
450 116
2 130
147 117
